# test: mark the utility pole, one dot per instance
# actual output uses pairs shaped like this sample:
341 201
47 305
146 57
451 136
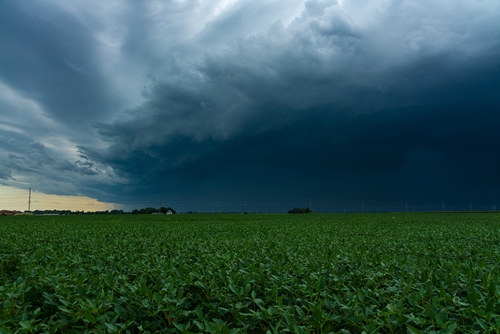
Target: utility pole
363 206
29 201
310 204
494 207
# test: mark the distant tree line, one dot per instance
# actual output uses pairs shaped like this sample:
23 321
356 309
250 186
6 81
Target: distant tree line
300 210
143 211
149 211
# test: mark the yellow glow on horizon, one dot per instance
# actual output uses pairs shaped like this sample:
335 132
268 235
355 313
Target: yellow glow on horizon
12 198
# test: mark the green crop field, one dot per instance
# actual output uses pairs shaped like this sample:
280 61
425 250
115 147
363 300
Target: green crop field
315 273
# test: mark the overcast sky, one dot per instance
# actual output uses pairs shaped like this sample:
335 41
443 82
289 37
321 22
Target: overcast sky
208 104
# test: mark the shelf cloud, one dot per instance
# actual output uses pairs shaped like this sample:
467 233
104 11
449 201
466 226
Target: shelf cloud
225 100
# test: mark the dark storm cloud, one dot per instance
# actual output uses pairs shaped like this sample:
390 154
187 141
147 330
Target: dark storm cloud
50 57
52 171
35 157
277 97
345 100
5 173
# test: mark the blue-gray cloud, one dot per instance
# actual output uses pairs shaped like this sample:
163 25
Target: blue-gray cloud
50 57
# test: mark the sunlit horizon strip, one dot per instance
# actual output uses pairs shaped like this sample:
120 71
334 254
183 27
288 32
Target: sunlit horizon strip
12 198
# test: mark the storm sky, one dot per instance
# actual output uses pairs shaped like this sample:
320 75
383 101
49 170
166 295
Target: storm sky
241 105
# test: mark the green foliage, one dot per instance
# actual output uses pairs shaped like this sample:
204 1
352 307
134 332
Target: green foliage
300 210
399 273
148 211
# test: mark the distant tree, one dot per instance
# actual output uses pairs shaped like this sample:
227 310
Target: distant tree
300 210
165 210
171 210
150 210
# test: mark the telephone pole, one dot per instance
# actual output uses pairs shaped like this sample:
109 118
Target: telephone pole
29 201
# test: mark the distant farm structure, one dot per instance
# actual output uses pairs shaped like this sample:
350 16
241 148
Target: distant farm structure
4 213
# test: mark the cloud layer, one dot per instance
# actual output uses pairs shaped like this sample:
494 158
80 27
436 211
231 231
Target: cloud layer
226 100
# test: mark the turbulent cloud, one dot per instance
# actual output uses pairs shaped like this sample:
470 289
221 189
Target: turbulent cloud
258 97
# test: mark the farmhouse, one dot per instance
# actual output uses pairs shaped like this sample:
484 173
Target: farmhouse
9 213
169 212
